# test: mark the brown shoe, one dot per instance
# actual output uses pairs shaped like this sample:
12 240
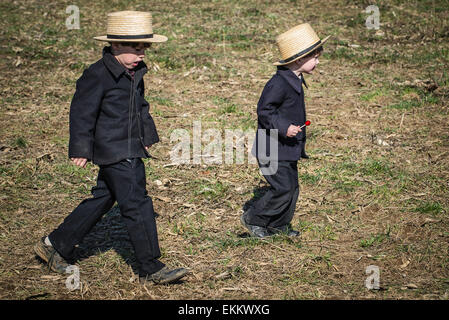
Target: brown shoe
53 259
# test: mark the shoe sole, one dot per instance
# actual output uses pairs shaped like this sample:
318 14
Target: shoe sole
167 281
175 278
275 231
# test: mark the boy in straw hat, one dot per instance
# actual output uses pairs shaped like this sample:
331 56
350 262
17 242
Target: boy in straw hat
281 107
110 125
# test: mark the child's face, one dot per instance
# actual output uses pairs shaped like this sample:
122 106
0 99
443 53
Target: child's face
308 64
129 54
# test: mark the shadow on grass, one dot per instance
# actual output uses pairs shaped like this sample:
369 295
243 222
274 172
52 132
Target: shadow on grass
258 193
110 233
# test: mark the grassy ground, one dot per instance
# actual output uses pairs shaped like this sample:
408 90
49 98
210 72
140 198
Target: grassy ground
375 191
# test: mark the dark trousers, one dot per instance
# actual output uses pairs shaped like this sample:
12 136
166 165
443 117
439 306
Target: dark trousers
125 183
277 206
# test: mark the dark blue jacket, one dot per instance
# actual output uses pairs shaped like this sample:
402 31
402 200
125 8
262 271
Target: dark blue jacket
280 105
109 117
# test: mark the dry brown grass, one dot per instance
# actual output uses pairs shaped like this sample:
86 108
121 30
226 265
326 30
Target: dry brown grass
362 202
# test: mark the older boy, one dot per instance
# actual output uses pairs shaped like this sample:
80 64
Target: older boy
110 125
281 107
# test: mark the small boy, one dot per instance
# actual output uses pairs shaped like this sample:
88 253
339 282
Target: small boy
110 125
281 107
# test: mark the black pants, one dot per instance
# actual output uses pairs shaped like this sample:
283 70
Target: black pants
277 206
125 182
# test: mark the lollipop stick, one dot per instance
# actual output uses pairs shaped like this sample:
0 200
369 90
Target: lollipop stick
305 124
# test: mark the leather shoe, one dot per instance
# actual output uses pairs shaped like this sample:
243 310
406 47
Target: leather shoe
165 275
255 231
287 230
49 254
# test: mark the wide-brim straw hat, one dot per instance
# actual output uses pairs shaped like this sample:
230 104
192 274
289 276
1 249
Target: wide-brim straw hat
297 43
130 26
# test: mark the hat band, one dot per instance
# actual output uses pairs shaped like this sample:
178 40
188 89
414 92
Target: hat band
301 53
142 36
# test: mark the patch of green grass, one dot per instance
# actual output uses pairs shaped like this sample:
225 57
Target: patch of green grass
79 66
322 232
226 106
342 53
406 105
375 239
232 108
405 247
69 169
326 257
327 232
413 97
232 242
375 167
372 96
246 122
431 207
306 226
189 228
20 142
356 21
308 178
209 190
159 101
347 186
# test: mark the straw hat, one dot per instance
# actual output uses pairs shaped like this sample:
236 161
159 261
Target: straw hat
297 43
130 26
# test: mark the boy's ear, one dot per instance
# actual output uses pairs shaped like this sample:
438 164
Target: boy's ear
115 46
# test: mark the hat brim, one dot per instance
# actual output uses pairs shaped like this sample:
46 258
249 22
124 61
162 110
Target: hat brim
279 63
155 38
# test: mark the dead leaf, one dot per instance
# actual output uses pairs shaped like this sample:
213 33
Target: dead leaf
18 62
224 275
404 264
48 277
429 220
165 199
229 289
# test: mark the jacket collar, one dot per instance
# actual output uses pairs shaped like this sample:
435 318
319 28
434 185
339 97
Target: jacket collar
292 78
117 69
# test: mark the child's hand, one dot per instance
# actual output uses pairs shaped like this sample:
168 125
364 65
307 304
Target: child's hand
293 131
80 162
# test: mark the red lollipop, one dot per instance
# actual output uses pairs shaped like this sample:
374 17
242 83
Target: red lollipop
307 123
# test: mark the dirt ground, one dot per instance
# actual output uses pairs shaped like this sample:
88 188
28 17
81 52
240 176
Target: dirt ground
373 193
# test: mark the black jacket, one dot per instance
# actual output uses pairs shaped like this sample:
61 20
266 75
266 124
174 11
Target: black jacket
109 117
280 105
